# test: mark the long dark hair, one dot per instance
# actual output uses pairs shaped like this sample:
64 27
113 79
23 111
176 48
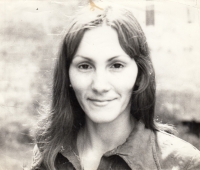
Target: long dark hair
66 117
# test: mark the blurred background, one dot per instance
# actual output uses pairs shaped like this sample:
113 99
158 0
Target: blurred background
30 37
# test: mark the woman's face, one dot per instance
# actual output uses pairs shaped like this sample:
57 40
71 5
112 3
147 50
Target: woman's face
102 75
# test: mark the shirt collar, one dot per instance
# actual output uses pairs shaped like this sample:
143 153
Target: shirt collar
137 151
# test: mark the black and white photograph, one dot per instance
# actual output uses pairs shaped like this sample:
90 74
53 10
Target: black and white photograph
99 84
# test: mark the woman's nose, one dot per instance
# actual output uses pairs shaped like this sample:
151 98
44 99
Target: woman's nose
100 83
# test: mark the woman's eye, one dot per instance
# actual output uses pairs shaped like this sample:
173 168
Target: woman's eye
85 67
117 66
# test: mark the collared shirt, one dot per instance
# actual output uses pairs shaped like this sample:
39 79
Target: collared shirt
143 150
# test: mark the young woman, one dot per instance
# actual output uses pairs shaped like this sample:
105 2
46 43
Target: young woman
102 114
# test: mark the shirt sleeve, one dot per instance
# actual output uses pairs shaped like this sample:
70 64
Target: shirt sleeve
195 161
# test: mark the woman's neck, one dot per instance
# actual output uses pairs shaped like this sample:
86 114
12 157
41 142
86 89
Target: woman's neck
95 139
103 137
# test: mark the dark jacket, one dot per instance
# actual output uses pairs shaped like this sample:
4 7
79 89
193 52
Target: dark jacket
143 150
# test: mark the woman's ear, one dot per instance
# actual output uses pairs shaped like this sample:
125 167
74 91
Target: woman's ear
138 80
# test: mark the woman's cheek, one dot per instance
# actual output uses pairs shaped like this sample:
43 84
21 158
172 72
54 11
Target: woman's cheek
79 81
125 80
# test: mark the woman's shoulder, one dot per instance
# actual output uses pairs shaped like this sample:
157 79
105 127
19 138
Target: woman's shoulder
37 158
177 152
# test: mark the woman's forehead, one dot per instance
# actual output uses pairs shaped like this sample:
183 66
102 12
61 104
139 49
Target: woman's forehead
100 34
99 42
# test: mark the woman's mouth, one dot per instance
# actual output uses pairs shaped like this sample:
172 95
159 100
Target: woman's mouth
98 102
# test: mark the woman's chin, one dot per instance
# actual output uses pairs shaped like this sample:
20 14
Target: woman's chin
100 118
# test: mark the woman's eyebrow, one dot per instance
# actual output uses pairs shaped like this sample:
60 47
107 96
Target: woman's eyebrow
123 57
86 58
110 59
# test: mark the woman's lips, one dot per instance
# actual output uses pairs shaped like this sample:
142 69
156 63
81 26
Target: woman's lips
98 102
